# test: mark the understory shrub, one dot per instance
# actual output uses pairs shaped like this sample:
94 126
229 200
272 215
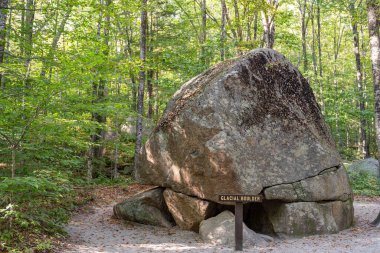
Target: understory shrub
364 183
32 209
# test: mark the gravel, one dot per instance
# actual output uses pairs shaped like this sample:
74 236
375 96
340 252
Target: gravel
95 230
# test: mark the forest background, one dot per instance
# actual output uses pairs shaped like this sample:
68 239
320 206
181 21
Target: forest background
76 76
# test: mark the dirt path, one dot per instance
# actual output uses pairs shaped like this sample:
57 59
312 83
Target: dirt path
93 230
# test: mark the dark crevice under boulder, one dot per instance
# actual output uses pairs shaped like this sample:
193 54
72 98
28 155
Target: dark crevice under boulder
250 125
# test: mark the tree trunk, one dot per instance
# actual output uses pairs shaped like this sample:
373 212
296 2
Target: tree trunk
313 53
202 39
268 14
302 8
156 104
3 30
320 66
150 93
255 26
150 73
115 172
359 82
13 166
140 101
54 44
223 34
365 92
337 44
128 52
28 33
373 9
99 93
7 46
90 167
237 21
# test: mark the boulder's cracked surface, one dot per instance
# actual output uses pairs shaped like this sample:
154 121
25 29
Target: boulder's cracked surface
331 184
243 125
247 126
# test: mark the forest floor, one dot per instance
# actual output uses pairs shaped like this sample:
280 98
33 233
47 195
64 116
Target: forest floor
94 229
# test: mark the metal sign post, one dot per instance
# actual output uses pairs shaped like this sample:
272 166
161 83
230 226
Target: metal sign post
239 201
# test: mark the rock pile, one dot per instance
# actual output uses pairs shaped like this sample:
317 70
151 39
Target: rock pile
248 126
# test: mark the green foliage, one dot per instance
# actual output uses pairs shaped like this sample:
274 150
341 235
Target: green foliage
33 207
364 183
47 119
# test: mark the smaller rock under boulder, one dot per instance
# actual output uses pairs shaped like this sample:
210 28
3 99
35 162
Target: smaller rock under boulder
309 218
220 230
147 208
368 165
188 212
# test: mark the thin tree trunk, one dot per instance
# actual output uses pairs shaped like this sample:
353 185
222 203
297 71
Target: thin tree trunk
302 9
268 14
115 172
13 166
134 91
90 167
365 92
150 93
22 37
320 66
7 46
140 101
203 32
157 96
223 34
359 82
337 43
129 54
150 74
373 9
237 21
3 30
55 41
255 25
247 18
313 53
28 43
99 92
319 38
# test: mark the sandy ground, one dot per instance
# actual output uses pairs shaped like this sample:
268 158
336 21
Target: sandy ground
94 230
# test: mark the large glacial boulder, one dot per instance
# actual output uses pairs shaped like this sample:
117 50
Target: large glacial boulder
240 127
246 126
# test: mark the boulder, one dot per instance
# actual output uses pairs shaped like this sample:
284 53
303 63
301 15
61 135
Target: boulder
250 126
368 165
309 218
147 208
331 184
244 125
188 212
220 230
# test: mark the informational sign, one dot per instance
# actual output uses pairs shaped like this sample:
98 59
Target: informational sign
240 198
239 201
